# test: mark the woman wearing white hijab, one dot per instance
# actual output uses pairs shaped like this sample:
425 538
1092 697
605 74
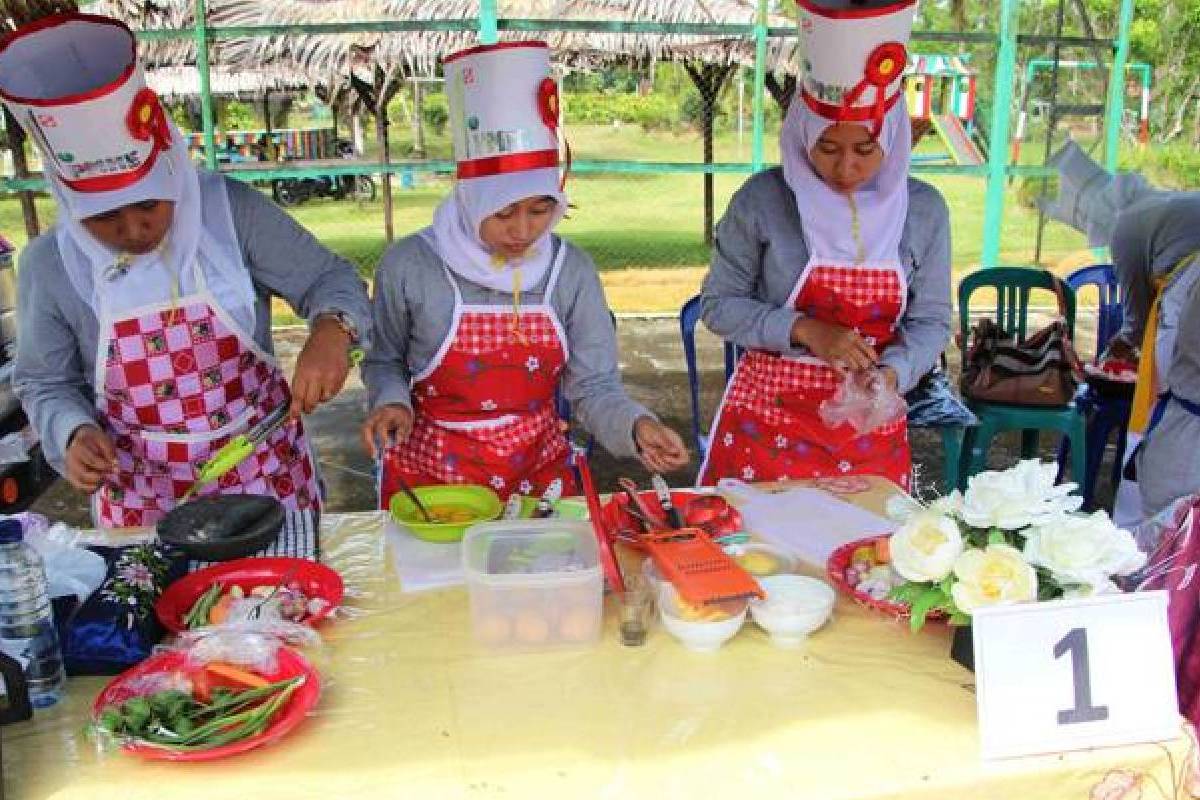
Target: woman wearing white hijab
480 318
835 267
145 340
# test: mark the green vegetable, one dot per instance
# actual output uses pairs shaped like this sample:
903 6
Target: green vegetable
197 617
175 720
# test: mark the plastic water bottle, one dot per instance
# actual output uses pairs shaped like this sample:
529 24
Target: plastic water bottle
27 630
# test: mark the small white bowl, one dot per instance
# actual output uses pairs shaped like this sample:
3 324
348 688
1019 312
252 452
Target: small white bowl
701 636
795 607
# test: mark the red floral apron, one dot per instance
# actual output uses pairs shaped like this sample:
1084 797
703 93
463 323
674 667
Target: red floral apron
176 381
768 426
485 404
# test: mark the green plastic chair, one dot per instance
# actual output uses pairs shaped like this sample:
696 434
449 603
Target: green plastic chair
1013 286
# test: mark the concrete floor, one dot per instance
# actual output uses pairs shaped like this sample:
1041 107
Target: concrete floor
654 372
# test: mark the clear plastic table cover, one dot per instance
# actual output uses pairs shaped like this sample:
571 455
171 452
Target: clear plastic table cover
411 709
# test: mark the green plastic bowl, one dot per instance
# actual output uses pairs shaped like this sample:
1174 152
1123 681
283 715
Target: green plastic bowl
480 499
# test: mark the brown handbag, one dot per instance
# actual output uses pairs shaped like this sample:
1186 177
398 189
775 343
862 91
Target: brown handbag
1042 371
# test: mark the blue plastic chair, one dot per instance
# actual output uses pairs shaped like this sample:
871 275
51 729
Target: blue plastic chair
689 315
1103 415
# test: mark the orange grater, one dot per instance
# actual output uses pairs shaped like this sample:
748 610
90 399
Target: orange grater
698 568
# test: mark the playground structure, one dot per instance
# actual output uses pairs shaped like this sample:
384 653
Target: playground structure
309 144
942 89
1141 70
603 31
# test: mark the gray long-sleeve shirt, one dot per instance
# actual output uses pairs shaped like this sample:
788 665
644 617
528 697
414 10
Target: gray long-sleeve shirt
56 345
760 252
1169 465
414 306
1149 240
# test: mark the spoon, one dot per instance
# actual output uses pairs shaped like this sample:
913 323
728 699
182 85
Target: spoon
416 501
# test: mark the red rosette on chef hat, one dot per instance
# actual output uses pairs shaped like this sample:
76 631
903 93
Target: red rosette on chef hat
855 56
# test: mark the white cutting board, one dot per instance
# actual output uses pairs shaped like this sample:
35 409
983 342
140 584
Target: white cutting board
806 523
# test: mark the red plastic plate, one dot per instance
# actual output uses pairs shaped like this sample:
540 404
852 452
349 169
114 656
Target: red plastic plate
316 580
713 511
835 568
290 664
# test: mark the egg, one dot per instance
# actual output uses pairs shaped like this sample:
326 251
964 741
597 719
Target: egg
494 629
577 625
758 563
531 627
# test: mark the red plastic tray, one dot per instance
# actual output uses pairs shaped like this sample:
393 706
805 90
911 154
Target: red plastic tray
616 517
835 568
290 664
316 580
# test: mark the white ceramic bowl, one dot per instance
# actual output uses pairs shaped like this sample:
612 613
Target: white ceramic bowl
701 636
795 606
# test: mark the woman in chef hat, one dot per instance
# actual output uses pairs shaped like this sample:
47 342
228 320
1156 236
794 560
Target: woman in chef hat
481 317
145 327
835 267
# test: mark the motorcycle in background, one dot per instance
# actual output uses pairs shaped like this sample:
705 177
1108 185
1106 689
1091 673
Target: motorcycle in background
291 192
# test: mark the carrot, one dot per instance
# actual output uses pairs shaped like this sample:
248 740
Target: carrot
220 611
883 550
234 677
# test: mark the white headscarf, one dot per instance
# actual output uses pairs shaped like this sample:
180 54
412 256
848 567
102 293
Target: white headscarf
882 202
201 234
455 230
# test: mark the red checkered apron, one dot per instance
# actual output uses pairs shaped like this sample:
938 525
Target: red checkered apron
177 382
768 426
485 405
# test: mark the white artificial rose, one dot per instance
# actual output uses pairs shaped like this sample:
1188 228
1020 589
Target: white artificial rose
1083 549
996 576
948 504
1017 497
926 547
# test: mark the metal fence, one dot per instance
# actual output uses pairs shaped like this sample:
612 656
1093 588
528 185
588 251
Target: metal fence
715 163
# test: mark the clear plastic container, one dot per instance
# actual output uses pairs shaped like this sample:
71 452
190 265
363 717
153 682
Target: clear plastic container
533 584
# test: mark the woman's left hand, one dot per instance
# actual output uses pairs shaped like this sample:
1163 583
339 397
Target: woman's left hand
322 366
660 448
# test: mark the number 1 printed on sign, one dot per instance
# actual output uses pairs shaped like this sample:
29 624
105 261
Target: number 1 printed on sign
1076 644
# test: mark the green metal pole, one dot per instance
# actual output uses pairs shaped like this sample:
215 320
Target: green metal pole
1116 89
760 80
487 22
206 102
1006 61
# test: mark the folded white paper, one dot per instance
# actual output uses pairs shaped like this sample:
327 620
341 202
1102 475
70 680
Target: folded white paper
423 565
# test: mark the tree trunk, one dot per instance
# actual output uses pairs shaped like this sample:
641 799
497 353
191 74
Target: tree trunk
783 91
16 141
385 158
418 119
708 79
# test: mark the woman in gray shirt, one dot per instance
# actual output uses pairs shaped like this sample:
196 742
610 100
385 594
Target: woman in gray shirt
480 318
833 270
145 313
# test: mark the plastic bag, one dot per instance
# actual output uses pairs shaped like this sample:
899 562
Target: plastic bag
865 401
71 569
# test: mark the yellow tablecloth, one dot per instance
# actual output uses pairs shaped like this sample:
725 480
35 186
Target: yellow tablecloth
410 710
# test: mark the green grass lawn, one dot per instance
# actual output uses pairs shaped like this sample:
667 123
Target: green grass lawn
627 220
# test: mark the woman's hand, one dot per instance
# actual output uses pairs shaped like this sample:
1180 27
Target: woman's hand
659 447
386 426
843 348
322 366
90 457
